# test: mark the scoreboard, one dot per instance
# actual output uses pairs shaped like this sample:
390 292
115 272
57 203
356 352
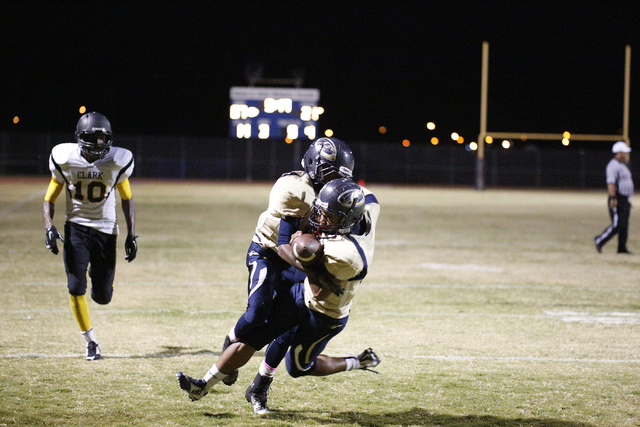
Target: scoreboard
274 113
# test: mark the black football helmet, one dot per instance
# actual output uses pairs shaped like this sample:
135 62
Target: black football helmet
342 198
327 159
94 136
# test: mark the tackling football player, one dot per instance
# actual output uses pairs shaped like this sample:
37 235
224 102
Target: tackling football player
89 171
289 206
307 317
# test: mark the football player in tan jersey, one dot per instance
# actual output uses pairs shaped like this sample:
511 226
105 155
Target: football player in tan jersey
90 170
303 320
289 206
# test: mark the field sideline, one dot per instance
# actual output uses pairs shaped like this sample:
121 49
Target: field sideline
487 308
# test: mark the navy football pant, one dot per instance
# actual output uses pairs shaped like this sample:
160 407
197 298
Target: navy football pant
268 275
294 327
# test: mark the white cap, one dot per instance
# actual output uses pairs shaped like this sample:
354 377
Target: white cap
621 147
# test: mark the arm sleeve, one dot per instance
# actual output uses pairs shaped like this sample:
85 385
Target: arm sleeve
288 226
125 189
53 191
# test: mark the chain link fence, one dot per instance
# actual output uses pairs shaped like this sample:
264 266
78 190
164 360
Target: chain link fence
177 157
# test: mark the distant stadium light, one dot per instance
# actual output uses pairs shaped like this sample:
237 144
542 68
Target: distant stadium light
434 141
565 142
455 136
506 144
16 119
473 146
406 143
431 126
488 139
382 129
328 133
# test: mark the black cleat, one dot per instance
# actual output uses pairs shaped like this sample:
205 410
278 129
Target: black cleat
194 388
368 359
257 392
93 351
598 245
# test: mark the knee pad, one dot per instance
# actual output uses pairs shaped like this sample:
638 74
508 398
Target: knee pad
295 366
257 314
76 285
102 296
102 300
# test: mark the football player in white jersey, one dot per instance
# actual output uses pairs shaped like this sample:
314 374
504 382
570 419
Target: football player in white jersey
289 206
89 171
307 317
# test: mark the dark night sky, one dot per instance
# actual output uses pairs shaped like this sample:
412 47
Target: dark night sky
166 67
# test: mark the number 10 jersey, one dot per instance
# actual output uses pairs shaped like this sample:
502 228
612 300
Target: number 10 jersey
90 186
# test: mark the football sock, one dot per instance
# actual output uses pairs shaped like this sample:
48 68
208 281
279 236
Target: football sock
266 370
89 336
80 310
213 377
352 363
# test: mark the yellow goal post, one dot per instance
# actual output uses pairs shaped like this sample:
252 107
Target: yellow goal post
480 182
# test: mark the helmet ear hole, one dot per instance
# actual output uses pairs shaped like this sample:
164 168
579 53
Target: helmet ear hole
326 154
343 199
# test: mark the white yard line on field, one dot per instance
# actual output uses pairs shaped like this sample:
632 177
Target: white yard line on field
527 359
619 318
492 286
461 267
15 206
614 318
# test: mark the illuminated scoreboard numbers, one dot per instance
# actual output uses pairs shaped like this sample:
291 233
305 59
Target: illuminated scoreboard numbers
272 105
274 113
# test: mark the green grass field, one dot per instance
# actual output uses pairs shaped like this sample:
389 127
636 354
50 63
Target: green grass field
487 308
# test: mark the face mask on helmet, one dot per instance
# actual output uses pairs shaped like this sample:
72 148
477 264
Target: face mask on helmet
95 144
338 207
327 159
93 134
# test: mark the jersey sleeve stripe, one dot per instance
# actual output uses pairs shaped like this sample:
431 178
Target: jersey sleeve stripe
59 169
123 170
370 198
363 273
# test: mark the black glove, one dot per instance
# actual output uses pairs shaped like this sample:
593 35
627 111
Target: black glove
50 239
130 248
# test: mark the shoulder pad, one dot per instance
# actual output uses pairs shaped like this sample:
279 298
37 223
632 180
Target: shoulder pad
293 173
61 152
121 156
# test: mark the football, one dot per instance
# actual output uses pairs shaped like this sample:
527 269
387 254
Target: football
306 248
